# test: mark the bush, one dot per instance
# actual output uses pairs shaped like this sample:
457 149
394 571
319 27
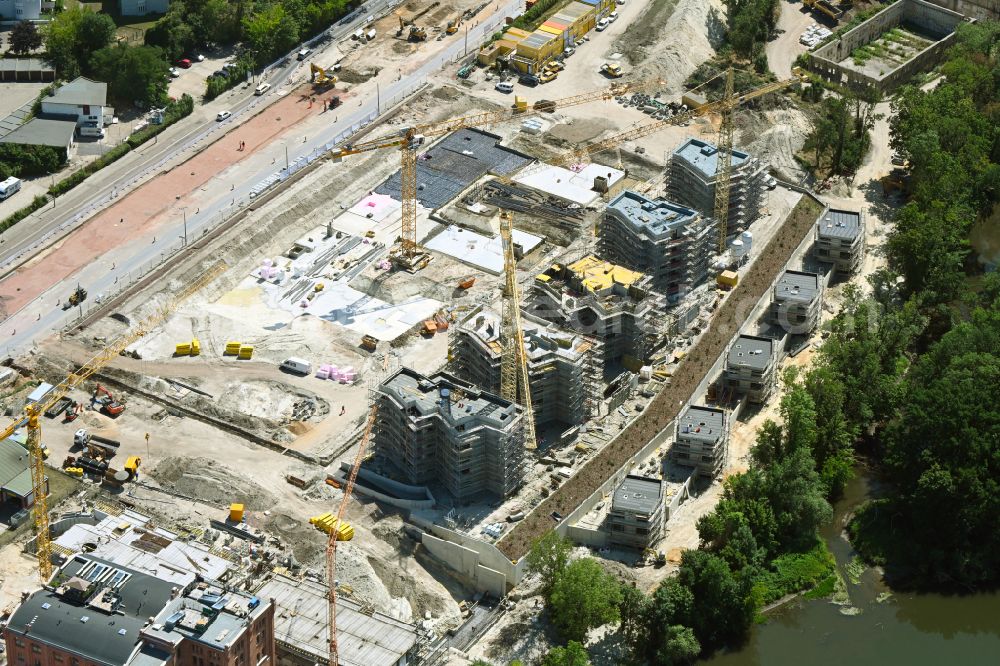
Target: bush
529 20
19 215
215 86
22 160
793 572
175 111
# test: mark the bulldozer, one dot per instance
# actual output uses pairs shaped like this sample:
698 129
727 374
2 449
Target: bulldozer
321 78
78 296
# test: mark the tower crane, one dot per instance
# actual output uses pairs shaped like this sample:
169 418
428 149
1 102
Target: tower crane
514 358
331 543
408 141
724 170
34 411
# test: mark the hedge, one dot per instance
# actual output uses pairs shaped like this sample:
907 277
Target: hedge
174 112
216 85
22 213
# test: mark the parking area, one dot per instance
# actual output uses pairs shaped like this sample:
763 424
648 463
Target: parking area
192 79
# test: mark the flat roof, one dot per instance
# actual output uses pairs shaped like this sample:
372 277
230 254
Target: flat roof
701 424
598 275
752 351
835 223
637 494
454 163
80 91
15 472
539 339
208 614
94 634
569 185
477 250
425 394
797 287
653 217
364 639
42 132
704 156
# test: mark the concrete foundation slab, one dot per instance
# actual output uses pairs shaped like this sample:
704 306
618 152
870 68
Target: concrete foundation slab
478 250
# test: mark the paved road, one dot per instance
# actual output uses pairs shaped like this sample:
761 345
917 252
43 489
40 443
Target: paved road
136 257
76 206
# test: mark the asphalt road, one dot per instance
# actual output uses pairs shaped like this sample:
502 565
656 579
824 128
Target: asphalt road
135 258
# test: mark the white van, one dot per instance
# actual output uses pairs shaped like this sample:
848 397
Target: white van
505 87
602 24
303 54
297 365
90 129
261 89
9 187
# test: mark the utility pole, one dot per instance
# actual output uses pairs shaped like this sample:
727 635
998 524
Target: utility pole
286 157
185 217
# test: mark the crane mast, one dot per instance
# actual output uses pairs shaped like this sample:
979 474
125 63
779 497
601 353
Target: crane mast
331 543
514 358
724 170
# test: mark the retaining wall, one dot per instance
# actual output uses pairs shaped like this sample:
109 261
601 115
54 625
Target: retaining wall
976 9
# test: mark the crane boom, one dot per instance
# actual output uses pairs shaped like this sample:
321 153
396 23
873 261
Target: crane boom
331 543
724 169
514 358
43 539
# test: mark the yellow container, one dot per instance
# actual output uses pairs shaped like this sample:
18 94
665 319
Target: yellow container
728 278
236 513
195 347
132 464
183 349
325 522
75 471
232 349
246 352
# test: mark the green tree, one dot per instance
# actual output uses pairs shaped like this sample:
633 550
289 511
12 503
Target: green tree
680 646
94 32
671 604
750 24
61 42
583 597
574 654
270 32
835 436
133 73
632 613
548 558
172 33
724 610
24 38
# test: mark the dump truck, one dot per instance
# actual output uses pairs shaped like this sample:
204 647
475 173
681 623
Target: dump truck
825 7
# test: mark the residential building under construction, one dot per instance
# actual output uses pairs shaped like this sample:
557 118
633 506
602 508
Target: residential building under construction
671 243
611 303
445 431
694 172
564 368
702 439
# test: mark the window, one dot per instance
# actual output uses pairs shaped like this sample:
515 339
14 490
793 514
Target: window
642 531
617 528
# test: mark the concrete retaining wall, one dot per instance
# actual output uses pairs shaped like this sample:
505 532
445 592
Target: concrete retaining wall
826 60
977 9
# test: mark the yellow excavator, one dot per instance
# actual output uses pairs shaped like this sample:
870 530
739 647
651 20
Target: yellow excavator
453 25
321 78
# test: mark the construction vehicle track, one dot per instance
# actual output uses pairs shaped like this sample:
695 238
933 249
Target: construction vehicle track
668 402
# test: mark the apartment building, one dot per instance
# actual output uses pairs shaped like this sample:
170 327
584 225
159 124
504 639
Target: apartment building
702 440
693 174
840 239
751 367
796 302
447 431
671 243
637 509
613 304
564 368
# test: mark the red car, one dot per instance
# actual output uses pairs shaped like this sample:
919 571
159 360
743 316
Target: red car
184 63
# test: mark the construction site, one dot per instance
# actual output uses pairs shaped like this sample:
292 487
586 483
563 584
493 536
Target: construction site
481 318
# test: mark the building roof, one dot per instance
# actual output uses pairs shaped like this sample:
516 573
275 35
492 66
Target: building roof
573 186
483 252
597 275
704 157
43 132
540 341
576 10
300 621
80 91
701 424
752 351
426 395
209 615
637 494
15 473
102 637
835 223
656 218
797 287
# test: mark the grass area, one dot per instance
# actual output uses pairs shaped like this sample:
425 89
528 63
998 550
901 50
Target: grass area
794 572
61 486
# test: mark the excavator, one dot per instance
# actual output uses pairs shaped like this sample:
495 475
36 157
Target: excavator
109 404
78 296
453 25
417 34
321 78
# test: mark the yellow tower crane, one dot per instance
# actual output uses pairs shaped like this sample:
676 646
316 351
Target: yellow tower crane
331 543
409 256
34 411
514 358
724 170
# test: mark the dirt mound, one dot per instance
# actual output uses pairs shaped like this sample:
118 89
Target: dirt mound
671 38
351 75
307 543
211 482
775 138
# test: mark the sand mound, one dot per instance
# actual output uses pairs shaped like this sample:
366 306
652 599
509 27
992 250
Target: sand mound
776 138
211 482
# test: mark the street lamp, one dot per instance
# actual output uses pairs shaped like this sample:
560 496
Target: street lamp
184 215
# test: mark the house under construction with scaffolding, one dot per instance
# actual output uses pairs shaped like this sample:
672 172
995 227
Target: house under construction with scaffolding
444 431
564 368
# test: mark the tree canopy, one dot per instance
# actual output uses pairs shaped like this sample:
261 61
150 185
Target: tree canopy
24 38
583 597
574 654
133 73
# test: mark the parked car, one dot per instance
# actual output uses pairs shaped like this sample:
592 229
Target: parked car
612 17
568 51
529 80
184 63
504 87
222 115
303 54
174 72
547 75
603 24
261 89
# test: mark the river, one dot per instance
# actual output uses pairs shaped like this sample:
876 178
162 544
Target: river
891 628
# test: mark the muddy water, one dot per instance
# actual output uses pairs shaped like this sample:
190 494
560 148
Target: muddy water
888 628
